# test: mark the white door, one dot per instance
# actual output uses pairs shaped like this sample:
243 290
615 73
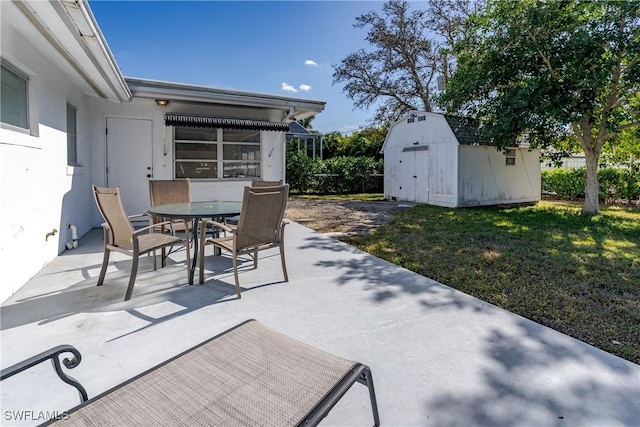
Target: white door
422 176
407 176
129 160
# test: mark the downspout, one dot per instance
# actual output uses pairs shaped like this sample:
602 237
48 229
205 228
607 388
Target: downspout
74 237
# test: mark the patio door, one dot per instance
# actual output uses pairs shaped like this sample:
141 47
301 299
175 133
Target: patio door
129 160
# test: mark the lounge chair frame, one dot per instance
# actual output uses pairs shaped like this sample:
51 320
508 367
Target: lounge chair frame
266 354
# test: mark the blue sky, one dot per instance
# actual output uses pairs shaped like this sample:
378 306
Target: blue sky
283 48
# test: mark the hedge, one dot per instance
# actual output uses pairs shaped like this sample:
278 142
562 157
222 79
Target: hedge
337 175
615 183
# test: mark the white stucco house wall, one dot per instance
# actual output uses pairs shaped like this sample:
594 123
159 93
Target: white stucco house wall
70 119
440 160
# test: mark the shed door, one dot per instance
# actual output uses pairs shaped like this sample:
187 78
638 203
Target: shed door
414 173
422 176
407 176
129 165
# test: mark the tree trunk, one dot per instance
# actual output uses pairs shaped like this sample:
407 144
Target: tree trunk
592 187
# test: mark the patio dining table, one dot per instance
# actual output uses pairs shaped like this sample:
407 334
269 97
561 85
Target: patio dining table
195 211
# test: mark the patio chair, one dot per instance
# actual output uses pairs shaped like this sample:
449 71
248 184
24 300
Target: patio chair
260 227
166 191
249 375
261 183
120 235
256 183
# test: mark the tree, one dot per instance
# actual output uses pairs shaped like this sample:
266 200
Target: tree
411 50
399 72
306 122
542 70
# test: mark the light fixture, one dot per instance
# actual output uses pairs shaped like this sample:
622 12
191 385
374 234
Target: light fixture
162 102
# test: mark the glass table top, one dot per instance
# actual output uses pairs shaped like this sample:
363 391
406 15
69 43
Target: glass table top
197 209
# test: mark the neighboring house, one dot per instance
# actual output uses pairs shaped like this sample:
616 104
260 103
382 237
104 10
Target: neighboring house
575 161
69 119
440 160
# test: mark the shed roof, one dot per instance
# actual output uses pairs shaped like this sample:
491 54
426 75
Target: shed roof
466 130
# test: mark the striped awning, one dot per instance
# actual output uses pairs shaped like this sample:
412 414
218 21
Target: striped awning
204 121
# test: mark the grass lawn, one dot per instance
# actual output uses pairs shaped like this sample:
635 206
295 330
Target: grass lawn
577 274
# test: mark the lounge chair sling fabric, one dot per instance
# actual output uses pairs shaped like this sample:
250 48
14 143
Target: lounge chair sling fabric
250 375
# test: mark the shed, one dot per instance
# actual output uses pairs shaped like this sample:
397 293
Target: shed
441 160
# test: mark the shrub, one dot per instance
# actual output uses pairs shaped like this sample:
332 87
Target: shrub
615 183
337 175
299 171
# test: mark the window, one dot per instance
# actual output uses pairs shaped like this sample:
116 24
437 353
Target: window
216 153
72 139
14 108
510 157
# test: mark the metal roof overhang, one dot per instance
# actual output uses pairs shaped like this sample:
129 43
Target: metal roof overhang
203 121
292 108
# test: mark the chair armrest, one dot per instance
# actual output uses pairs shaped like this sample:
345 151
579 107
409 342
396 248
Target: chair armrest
52 354
204 223
156 225
140 215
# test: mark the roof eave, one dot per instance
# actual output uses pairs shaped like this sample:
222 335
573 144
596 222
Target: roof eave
71 29
153 89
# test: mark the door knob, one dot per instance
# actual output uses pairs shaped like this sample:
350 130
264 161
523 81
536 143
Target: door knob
148 175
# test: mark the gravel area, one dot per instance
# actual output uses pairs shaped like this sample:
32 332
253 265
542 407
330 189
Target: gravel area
342 218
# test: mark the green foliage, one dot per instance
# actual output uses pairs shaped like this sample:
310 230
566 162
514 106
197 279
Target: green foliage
615 183
366 142
542 69
334 175
299 171
344 174
565 183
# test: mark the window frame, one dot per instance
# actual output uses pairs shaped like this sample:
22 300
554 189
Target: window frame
27 105
220 161
510 156
72 138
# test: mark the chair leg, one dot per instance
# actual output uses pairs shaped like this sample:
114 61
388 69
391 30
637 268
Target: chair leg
188 250
284 264
105 263
154 260
255 258
235 274
201 261
132 278
368 381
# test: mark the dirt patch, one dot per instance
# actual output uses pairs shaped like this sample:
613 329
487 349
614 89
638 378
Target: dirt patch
342 218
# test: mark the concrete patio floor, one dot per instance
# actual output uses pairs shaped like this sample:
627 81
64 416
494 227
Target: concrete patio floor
439 357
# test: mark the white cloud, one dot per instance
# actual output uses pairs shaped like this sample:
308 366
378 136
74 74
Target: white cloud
310 62
288 88
305 88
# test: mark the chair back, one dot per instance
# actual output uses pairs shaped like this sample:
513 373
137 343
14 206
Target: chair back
165 191
261 216
258 183
109 202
